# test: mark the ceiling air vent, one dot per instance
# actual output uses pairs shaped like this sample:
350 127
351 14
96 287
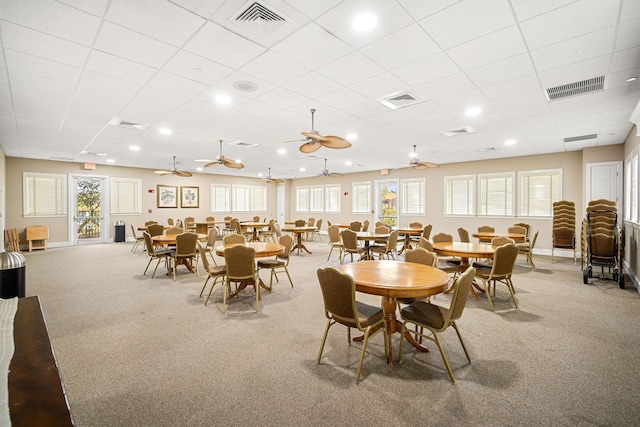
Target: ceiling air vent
398 100
459 131
242 144
594 84
313 156
128 124
259 18
581 138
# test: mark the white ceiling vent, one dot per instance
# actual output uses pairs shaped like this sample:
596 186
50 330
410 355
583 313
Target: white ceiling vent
312 156
581 138
242 144
259 18
594 84
459 131
398 100
128 124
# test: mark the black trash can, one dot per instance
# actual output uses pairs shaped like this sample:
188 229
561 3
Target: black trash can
119 231
12 274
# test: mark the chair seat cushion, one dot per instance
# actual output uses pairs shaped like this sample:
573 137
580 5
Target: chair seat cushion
425 313
218 270
162 252
368 314
270 263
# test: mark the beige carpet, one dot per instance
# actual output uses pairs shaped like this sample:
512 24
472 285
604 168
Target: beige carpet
136 351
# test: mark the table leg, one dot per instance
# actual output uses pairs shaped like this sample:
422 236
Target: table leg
244 284
300 245
407 243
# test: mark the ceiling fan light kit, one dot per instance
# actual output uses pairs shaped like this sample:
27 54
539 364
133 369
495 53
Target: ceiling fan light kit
221 160
174 171
313 139
269 179
417 164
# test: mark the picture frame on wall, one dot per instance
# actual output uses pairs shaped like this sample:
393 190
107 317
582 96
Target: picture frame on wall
167 196
189 197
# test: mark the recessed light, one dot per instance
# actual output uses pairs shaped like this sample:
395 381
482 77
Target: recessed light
364 22
510 142
473 111
282 151
245 86
199 169
134 148
110 161
348 163
632 79
260 174
352 136
223 99
303 169
165 131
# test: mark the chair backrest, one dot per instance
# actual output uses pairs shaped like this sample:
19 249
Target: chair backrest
148 223
382 229
256 218
170 221
421 256
339 296
426 231
133 231
392 242
517 229
276 229
379 223
318 224
233 238
155 229
502 240
349 239
287 241
234 225
462 287
532 242
504 259
365 225
526 227
464 235
426 244
486 228
311 222
442 237
334 234
148 243
355 226
240 262
188 221
300 223
186 244
213 235
175 230
415 225
210 219
205 260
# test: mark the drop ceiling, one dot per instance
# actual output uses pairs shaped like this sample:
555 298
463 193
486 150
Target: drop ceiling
83 81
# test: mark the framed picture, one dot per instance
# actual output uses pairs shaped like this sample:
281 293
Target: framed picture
167 196
189 197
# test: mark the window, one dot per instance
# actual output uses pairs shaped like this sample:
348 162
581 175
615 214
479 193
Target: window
316 201
495 195
459 195
240 198
631 188
538 191
44 194
413 196
361 199
126 196
332 198
258 198
220 198
302 199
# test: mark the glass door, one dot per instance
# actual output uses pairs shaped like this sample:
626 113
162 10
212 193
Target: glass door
88 219
386 199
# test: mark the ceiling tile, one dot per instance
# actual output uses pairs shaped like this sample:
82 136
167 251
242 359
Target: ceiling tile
630 10
427 69
312 47
108 84
29 64
204 8
30 95
625 60
49 115
575 72
160 97
575 50
41 84
627 36
380 85
221 45
507 69
351 68
197 68
444 87
342 98
114 66
176 84
282 98
402 47
312 85
422 8
274 68
484 50
94 7
526 9
145 112
518 86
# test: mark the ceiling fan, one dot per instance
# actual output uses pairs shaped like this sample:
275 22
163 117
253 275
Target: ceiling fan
221 160
269 179
325 172
417 164
174 171
313 140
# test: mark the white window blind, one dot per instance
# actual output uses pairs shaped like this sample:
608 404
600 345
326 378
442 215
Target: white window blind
258 198
220 198
302 199
361 197
332 199
459 195
634 189
126 196
44 194
316 198
413 196
240 198
538 191
495 195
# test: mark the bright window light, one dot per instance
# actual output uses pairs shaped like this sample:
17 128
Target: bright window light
348 163
303 169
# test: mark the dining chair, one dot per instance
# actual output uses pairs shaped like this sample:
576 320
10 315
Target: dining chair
169 221
210 247
527 249
418 256
234 238
517 229
426 244
426 231
527 228
341 306
350 244
365 225
381 229
276 229
138 240
390 248
300 223
216 272
241 268
155 229
256 218
269 233
157 254
487 229
500 270
279 263
436 319
317 232
464 235
334 241
355 226
502 240
186 252
447 263
148 223
174 230
189 223
415 224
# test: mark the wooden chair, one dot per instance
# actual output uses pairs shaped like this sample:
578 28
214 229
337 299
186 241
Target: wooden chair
563 229
169 221
355 226
234 238
419 256
527 249
437 319
334 241
189 223
280 262
317 232
426 244
210 247
215 273
487 229
139 239
350 244
365 225
12 239
500 270
341 306
241 268
389 249
464 235
186 252
155 229
426 231
159 255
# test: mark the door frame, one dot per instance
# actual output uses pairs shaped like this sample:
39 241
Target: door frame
105 233
377 197
589 167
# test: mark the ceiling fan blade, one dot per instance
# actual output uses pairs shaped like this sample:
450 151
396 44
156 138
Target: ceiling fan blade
420 166
231 163
184 173
310 147
430 165
215 162
293 140
162 172
331 141
312 135
336 175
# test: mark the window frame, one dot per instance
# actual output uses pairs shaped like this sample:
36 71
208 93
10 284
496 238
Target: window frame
551 197
60 199
406 192
332 198
226 197
508 194
114 187
356 198
470 184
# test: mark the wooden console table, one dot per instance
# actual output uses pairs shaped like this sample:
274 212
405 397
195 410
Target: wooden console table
37 236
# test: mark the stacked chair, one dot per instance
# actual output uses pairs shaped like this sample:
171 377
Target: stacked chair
563 231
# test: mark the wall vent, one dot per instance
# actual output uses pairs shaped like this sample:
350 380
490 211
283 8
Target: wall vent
581 138
594 84
259 18
459 131
487 149
128 124
398 100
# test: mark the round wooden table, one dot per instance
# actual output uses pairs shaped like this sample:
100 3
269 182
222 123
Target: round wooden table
299 231
408 232
255 226
368 236
396 279
488 235
170 239
263 249
465 251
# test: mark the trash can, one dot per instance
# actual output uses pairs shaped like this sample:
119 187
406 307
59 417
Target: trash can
12 274
119 231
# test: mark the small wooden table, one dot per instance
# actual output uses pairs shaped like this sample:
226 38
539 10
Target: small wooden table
170 239
465 251
299 231
488 235
203 226
408 232
396 279
255 226
368 236
263 249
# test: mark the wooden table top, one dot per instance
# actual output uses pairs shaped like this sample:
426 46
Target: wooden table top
304 229
170 239
465 250
254 224
396 279
263 249
409 230
371 235
487 235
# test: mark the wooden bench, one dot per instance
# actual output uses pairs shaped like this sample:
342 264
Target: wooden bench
37 236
